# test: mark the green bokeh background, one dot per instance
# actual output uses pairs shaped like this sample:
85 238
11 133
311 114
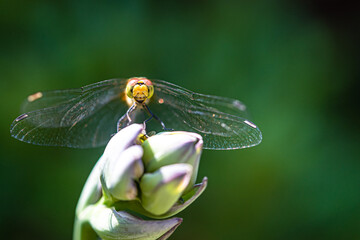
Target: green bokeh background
294 63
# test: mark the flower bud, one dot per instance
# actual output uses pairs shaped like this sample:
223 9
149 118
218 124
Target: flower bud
163 188
110 224
122 165
122 140
173 147
119 175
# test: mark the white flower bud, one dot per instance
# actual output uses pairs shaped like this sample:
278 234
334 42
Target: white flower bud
163 188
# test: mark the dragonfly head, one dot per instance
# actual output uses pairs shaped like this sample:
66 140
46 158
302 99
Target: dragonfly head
139 89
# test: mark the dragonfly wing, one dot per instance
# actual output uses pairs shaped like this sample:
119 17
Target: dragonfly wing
219 120
48 99
79 118
223 104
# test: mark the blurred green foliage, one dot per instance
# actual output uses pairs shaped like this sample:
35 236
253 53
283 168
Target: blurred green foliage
294 64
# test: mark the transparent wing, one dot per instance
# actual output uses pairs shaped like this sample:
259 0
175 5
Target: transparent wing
221 121
80 118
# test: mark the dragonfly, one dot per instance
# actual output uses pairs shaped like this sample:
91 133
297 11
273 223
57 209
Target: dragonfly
87 117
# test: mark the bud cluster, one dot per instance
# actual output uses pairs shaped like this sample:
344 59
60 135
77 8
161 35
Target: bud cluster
155 179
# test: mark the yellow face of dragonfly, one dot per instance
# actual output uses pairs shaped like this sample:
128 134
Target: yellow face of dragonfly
139 89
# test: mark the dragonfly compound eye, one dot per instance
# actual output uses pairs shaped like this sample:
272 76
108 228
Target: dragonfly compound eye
129 87
151 90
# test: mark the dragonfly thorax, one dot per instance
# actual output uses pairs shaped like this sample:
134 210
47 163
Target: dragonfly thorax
140 89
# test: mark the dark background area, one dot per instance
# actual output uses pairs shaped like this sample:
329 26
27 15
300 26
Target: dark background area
295 64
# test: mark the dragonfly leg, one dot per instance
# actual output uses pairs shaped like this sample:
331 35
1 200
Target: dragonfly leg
147 120
127 116
156 118
128 111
